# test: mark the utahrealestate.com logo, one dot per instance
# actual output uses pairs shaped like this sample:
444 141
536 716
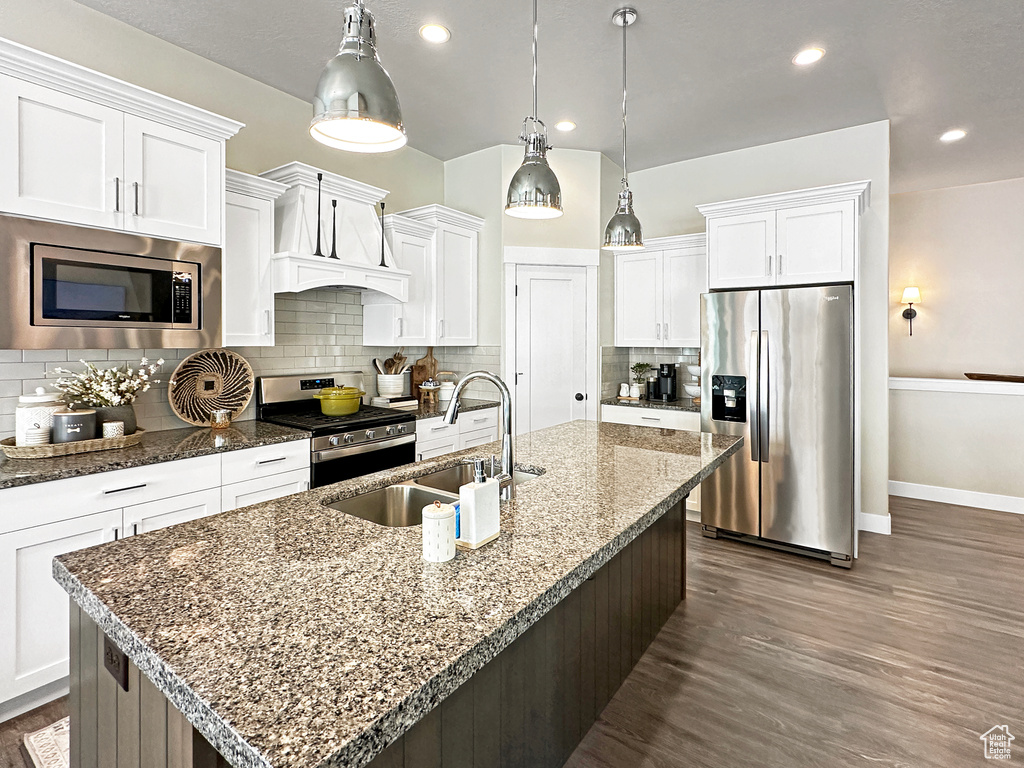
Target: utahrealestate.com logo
997 742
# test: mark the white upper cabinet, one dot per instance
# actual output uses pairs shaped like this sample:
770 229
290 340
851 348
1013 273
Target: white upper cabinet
795 238
438 246
657 292
84 148
247 279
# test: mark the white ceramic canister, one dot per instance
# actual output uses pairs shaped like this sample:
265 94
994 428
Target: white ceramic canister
438 532
35 411
444 394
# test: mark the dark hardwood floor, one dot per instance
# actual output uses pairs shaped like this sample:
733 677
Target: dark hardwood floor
779 660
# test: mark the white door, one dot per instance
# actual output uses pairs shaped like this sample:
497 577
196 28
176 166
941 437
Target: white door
34 624
248 294
638 299
416 316
456 287
166 512
60 157
741 250
174 180
685 273
817 243
551 346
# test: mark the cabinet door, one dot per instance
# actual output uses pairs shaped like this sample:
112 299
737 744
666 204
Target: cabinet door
741 250
817 243
433 448
262 489
685 274
477 438
60 157
456 287
248 294
166 512
175 182
33 607
638 299
416 326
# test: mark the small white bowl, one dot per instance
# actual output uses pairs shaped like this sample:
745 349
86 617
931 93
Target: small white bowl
694 371
692 390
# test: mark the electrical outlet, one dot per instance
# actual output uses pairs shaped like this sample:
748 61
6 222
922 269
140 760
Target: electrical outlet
116 662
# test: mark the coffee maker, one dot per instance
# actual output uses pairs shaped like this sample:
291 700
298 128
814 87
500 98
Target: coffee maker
667 383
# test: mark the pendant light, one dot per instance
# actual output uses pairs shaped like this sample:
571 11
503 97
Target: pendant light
623 230
534 192
355 106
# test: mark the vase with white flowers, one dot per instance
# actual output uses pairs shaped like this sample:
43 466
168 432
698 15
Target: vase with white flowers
110 391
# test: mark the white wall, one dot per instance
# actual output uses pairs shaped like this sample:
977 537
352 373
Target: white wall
277 125
664 200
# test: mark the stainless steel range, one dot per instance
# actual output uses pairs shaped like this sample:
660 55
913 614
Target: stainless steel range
343 447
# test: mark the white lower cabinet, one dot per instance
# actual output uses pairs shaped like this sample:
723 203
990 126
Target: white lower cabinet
435 438
433 448
43 521
656 417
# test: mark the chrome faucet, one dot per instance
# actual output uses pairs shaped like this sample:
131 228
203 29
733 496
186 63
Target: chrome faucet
452 413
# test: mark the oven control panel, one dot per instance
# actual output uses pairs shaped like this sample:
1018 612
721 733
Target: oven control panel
307 384
360 437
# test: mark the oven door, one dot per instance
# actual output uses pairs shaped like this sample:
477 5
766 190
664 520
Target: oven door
79 288
337 464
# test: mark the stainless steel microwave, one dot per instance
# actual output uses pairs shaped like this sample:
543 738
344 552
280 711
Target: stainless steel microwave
68 287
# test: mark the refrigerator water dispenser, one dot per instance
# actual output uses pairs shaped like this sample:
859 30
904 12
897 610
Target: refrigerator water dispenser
729 398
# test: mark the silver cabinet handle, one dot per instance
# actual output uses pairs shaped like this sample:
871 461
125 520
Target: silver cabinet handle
270 461
401 326
763 375
479 419
266 322
135 184
769 265
666 331
440 329
117 194
443 426
651 418
780 264
752 369
657 330
129 488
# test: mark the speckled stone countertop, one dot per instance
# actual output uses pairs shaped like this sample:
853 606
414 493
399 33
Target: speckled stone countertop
155 447
467 405
682 404
290 634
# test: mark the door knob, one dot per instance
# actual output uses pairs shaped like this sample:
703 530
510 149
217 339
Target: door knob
579 396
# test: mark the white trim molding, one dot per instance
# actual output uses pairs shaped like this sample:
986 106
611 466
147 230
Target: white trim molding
875 523
436 215
51 72
860 191
962 386
252 186
552 257
962 498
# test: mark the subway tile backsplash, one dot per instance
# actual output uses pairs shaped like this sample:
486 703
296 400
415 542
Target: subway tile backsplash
315 330
617 361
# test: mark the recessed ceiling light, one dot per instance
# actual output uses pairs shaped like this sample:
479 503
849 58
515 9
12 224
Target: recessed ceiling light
808 56
435 33
565 125
954 135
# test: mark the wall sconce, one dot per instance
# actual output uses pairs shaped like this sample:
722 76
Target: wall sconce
911 296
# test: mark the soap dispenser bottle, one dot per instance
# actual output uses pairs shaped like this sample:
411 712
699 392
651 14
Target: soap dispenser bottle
479 510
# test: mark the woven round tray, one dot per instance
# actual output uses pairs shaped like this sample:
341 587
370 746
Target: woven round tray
208 381
52 450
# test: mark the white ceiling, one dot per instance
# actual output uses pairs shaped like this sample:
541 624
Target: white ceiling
706 76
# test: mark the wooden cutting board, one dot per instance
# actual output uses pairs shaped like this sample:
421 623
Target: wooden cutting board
423 369
994 377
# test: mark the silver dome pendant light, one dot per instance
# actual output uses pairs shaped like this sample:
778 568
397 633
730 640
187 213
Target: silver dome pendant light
534 192
623 230
355 106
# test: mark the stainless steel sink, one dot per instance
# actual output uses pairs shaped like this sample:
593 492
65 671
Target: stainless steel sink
453 478
395 506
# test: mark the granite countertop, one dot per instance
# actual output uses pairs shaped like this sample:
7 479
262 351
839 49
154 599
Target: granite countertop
156 446
291 634
682 404
430 411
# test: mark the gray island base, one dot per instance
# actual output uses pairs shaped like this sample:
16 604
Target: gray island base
288 634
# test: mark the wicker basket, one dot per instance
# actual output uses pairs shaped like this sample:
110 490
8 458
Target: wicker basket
52 450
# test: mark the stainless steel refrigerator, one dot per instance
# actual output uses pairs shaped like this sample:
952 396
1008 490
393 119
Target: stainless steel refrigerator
777 368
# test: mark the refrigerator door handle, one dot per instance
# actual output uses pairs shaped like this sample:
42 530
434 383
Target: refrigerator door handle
752 368
764 396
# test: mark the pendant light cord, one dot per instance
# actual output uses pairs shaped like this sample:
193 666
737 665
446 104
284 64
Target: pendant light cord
534 60
625 173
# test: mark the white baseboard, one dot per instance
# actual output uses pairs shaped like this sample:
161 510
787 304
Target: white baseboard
19 705
874 524
993 501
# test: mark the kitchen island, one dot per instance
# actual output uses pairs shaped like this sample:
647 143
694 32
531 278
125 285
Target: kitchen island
289 634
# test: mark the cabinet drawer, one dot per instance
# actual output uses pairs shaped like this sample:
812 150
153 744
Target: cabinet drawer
436 429
477 437
262 489
477 420
40 504
429 449
651 417
164 513
265 461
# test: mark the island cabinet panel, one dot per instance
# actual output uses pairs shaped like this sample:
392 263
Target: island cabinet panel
529 707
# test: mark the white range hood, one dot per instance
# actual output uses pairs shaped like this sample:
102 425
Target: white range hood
296 268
